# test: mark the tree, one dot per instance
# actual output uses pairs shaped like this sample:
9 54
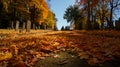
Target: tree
73 15
105 14
87 6
112 5
3 14
17 11
50 20
55 26
99 14
70 13
42 10
37 11
62 28
117 24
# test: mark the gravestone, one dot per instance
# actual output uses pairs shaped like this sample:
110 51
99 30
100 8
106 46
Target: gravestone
17 25
28 26
23 25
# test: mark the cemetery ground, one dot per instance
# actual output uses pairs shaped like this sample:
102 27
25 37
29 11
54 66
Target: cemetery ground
47 48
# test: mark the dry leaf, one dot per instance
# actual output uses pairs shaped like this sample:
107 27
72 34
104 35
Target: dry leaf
85 56
42 58
56 56
5 55
55 44
44 42
93 61
14 49
20 64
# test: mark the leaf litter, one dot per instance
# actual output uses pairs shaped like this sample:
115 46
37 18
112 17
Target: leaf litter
28 50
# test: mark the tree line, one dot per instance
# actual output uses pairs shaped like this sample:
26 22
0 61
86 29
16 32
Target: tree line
26 14
94 14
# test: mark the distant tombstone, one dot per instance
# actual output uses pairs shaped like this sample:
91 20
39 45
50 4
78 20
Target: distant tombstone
45 27
17 25
28 26
33 26
38 27
23 25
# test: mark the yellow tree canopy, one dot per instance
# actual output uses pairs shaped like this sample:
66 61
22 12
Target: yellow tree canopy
43 7
50 20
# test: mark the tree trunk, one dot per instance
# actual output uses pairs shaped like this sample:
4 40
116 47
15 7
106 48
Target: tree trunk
92 21
88 17
102 22
111 17
12 25
28 26
111 14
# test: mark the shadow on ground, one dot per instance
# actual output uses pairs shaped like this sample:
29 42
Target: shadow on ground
62 59
65 59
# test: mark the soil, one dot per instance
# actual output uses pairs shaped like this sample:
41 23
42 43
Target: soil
62 59
65 59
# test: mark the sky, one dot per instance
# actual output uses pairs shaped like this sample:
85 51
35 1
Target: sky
59 8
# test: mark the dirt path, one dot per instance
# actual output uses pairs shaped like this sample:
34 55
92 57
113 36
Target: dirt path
62 59
66 59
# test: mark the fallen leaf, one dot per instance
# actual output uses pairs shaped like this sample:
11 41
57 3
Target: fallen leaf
44 42
56 56
14 49
20 64
42 58
93 61
85 56
4 49
55 44
5 56
46 48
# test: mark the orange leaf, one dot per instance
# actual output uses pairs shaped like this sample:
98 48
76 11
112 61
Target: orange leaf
46 48
93 61
55 44
20 64
4 49
44 42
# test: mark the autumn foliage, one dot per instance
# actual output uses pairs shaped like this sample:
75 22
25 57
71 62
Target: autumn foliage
37 11
96 48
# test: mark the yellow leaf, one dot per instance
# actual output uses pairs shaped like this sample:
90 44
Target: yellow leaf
5 56
14 49
56 44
